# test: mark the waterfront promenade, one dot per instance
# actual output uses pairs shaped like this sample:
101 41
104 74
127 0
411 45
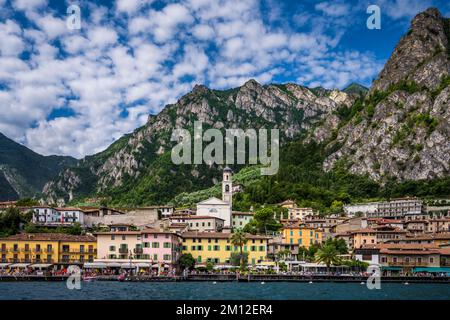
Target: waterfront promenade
236 278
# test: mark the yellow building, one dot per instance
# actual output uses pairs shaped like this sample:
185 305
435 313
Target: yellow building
217 247
301 235
48 248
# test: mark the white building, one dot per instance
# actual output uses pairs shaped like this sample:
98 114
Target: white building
299 213
220 208
214 207
365 208
49 216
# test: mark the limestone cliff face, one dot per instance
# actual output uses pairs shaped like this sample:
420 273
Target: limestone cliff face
403 130
421 56
289 107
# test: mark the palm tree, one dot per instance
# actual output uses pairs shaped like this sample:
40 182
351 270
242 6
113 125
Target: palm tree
328 255
239 239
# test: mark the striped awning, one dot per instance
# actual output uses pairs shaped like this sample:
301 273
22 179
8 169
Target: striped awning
19 265
142 265
95 265
41 265
114 265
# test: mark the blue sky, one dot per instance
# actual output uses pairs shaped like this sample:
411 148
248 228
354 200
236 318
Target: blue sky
73 92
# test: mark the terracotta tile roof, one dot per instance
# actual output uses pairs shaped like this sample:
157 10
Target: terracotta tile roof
156 231
429 236
409 252
445 251
50 237
68 209
118 233
377 230
417 221
242 213
401 246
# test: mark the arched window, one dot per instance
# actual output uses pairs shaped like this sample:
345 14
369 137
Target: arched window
227 188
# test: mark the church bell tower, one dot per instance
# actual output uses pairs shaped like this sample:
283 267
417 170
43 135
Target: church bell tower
227 186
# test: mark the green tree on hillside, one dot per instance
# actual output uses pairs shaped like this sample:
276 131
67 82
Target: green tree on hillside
263 222
10 222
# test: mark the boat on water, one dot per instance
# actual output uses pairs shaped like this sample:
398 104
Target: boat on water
89 278
122 277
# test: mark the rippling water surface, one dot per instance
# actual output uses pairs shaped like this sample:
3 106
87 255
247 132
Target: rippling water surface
221 290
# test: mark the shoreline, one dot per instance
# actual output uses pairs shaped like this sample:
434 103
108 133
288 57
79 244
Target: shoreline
233 278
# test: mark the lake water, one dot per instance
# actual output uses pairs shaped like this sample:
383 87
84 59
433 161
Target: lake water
220 291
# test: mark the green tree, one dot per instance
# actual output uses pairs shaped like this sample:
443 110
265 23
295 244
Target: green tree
104 202
336 206
239 259
265 220
239 239
186 261
209 266
283 266
10 222
339 244
328 255
27 202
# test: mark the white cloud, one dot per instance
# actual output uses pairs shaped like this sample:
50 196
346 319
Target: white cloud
165 22
131 59
333 9
11 43
203 32
129 6
399 9
52 26
29 4
102 36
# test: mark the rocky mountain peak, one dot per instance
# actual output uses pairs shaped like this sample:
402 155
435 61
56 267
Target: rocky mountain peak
251 84
421 56
402 129
199 88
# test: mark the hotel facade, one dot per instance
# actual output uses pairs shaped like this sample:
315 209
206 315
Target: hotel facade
27 249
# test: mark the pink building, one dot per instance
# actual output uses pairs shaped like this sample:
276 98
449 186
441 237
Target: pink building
162 247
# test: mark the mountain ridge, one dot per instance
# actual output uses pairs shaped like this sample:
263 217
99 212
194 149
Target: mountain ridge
23 172
289 107
399 128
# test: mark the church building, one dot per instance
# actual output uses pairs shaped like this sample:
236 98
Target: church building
215 207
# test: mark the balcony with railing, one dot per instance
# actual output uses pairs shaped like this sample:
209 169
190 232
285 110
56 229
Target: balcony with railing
123 250
138 250
65 260
84 251
408 263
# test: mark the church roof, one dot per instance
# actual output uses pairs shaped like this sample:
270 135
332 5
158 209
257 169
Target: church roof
228 169
212 200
